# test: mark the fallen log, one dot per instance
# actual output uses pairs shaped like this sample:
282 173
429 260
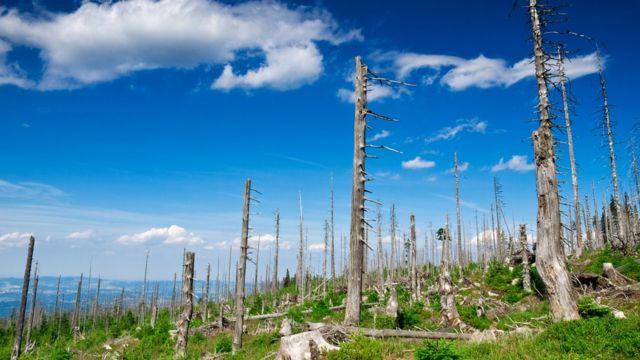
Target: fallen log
410 334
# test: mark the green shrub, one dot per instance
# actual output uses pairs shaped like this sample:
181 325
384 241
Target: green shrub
223 343
359 348
319 310
385 322
436 350
587 307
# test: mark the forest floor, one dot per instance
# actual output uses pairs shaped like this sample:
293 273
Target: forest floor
520 321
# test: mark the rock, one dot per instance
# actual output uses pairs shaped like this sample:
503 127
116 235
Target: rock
618 314
297 347
285 328
492 294
485 335
515 281
523 330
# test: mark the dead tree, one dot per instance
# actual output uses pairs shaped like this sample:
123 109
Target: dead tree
392 235
526 275
620 242
172 304
460 257
333 234
550 259
380 250
205 296
415 292
32 311
182 326
96 303
586 212
75 323
572 158
450 315
241 272
274 283
257 263
17 344
143 295
324 259
497 191
300 278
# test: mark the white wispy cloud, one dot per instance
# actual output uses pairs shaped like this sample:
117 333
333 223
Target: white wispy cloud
11 74
15 239
463 203
316 247
418 163
173 234
463 125
481 72
461 168
381 135
29 190
516 163
103 41
82 235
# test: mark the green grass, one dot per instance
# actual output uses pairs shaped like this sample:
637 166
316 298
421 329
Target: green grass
627 265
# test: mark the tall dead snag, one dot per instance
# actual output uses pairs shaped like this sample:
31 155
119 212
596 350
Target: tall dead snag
32 311
333 234
450 315
17 344
356 239
143 295
392 235
172 304
460 257
205 296
380 250
75 321
620 242
274 282
572 158
550 259
526 275
257 262
415 294
187 305
300 278
241 272
324 259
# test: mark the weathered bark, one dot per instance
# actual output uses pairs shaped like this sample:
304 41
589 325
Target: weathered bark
255 276
524 253
324 258
450 315
415 294
187 305
620 242
274 282
460 257
356 240
75 323
32 311
550 260
205 296
572 158
17 344
333 234
96 303
241 272
143 295
586 215
409 334
392 233
499 236
380 250
300 277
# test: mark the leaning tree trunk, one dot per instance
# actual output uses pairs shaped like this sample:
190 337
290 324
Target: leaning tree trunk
187 305
572 158
17 344
550 259
356 240
241 273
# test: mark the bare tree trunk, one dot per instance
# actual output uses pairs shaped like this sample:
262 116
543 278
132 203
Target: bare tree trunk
300 277
598 230
526 275
621 240
274 283
143 296
255 277
333 234
17 344
32 312
75 324
120 304
392 233
55 307
380 250
205 296
499 238
187 305
587 222
572 158
450 314
460 257
415 295
356 240
173 299
550 260
324 259
96 303
240 274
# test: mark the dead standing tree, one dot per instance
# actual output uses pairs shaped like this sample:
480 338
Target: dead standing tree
274 282
415 289
32 311
300 278
17 344
460 257
358 222
550 259
187 305
524 251
450 315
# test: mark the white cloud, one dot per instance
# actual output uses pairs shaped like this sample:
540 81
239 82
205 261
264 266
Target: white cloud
461 168
11 74
375 93
103 41
316 247
29 190
15 239
481 72
381 135
82 235
431 179
516 163
450 132
174 234
418 163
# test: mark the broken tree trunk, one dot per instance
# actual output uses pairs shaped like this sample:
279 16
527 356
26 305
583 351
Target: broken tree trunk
356 239
550 259
17 344
450 314
241 272
75 324
526 275
187 305
32 311
205 296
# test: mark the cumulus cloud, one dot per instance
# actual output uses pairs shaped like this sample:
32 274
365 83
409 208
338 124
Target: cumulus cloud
461 168
15 239
82 235
103 41
381 135
173 234
481 72
418 163
29 190
516 163
450 132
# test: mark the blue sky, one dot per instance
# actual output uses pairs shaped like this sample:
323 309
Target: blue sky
132 125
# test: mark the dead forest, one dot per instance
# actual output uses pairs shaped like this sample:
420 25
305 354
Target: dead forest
501 294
